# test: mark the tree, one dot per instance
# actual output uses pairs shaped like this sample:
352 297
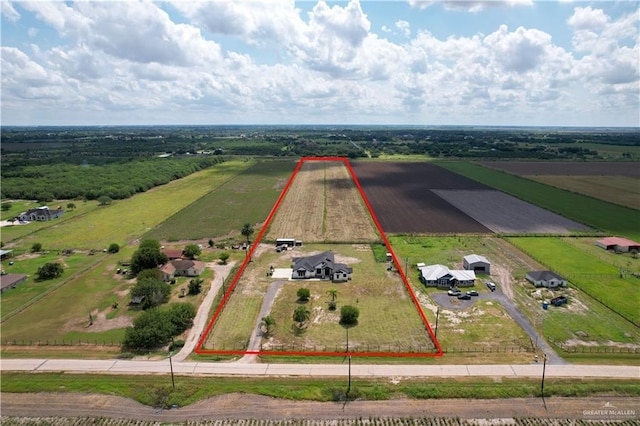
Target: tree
247 231
148 256
155 292
195 286
301 315
192 251
113 248
333 294
71 206
349 315
267 326
49 271
224 256
153 328
303 294
6 206
210 242
104 200
181 316
36 247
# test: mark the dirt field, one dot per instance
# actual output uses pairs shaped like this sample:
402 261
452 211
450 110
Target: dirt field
240 406
401 197
524 168
323 204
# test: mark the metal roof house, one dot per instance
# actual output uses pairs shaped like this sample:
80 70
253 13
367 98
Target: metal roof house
548 279
40 214
443 277
322 266
476 263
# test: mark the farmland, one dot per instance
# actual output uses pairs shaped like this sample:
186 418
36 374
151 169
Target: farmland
322 204
246 198
616 183
589 211
424 198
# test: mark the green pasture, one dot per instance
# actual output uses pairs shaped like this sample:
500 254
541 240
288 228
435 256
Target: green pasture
591 274
11 234
156 390
125 220
601 215
246 198
29 291
388 319
64 313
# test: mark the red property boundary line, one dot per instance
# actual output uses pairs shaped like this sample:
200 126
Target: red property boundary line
201 351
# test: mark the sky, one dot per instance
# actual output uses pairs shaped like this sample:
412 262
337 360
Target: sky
402 62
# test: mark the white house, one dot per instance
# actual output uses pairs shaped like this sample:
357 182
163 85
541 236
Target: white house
322 266
547 279
476 263
441 276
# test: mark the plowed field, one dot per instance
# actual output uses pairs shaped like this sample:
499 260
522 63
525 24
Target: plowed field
323 204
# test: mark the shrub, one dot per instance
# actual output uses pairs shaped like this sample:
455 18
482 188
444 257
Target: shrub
49 271
155 292
224 256
36 247
192 251
195 286
303 294
113 248
349 315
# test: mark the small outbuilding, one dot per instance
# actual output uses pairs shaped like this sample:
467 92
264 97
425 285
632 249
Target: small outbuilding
548 279
476 263
618 244
10 281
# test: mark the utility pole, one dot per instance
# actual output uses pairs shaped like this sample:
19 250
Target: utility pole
544 367
173 383
437 316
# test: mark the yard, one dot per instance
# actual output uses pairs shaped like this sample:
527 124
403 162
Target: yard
389 321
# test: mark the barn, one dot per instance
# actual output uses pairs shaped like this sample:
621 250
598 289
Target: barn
547 279
478 264
618 244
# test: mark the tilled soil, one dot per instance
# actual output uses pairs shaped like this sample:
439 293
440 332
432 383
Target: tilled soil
243 406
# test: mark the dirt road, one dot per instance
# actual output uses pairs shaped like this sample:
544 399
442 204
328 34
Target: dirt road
242 406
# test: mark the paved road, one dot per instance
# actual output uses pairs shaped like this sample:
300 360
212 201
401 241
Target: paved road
317 370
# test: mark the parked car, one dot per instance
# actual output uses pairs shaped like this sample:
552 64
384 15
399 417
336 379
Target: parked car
491 286
472 293
454 292
558 301
464 296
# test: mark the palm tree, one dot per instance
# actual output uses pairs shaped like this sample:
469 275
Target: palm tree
247 231
333 293
268 323
301 315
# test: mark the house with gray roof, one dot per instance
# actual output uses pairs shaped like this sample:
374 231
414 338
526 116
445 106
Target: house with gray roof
548 279
40 214
321 266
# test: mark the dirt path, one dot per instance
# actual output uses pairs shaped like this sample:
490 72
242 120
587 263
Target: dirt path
200 321
244 406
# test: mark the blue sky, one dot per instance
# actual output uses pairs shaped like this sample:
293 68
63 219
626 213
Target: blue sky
513 62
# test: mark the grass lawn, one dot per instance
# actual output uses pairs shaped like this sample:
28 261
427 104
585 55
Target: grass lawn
125 220
389 322
246 198
29 291
592 274
601 215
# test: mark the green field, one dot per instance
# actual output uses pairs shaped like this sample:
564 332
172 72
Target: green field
247 198
593 275
601 215
124 220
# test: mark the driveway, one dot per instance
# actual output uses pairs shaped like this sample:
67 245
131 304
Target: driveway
453 303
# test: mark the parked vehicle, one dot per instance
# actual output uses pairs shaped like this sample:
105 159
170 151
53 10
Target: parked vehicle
491 286
559 301
464 296
454 292
473 293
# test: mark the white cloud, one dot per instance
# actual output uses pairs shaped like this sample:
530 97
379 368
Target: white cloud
586 18
404 27
469 5
8 11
